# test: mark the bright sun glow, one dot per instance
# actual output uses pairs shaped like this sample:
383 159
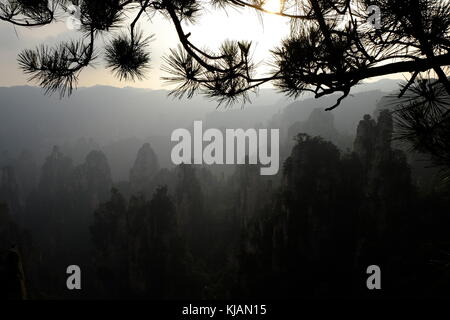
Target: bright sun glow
272 5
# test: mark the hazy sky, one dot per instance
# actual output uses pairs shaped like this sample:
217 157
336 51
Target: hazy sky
210 31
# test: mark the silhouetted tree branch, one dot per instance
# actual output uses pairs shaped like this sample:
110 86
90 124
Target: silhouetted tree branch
423 120
321 55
